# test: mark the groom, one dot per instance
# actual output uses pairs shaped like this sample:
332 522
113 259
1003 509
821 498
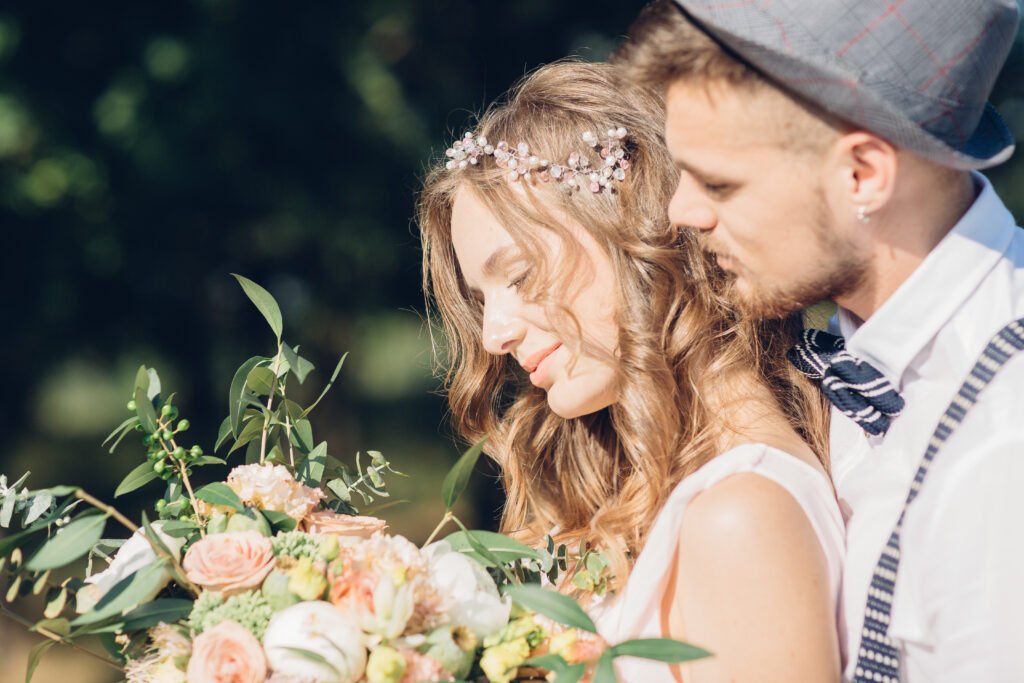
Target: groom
829 149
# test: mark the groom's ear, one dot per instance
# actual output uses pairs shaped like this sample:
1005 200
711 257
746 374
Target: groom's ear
866 167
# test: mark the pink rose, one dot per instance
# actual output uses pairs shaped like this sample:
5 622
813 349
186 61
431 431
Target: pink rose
230 563
227 653
330 523
420 668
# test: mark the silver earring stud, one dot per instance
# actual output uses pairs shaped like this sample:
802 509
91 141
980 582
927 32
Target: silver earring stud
862 214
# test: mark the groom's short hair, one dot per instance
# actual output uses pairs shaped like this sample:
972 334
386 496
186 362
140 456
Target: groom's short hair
663 46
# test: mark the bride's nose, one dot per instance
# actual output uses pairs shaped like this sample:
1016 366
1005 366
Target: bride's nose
503 328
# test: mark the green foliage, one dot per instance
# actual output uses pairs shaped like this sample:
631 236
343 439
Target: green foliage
458 477
560 608
73 541
499 547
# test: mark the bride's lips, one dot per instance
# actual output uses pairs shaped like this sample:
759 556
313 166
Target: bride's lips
533 362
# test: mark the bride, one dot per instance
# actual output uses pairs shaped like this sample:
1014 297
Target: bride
627 405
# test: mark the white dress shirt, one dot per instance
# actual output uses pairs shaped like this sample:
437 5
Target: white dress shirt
958 610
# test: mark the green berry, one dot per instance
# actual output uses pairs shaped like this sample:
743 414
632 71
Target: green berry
167 435
132 405
159 466
183 425
179 453
147 440
160 505
165 411
195 452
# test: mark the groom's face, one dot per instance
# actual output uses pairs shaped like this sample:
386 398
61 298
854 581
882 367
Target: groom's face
755 185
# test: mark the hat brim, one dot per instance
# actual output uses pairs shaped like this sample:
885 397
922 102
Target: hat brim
828 85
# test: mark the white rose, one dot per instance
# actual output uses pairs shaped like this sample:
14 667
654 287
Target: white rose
322 629
471 597
136 553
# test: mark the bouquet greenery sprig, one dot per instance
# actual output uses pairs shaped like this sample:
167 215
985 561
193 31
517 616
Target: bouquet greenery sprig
271 574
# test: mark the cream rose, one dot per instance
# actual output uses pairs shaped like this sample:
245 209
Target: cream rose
230 563
272 487
227 653
333 636
328 523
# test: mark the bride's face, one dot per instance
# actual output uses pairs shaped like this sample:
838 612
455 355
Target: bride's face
495 269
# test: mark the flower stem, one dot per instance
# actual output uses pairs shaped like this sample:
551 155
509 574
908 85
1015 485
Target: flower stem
46 633
448 516
270 406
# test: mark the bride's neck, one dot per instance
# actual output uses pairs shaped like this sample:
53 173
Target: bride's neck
749 413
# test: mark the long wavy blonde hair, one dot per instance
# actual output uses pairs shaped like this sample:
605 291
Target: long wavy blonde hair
600 478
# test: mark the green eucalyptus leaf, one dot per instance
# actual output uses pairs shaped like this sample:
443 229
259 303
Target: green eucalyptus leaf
264 302
280 521
208 460
340 489
73 541
500 546
604 672
571 674
330 383
303 432
179 528
223 433
126 594
56 599
553 605
62 627
219 493
660 649
311 471
125 427
457 479
35 656
261 381
554 663
237 392
165 610
137 478
252 430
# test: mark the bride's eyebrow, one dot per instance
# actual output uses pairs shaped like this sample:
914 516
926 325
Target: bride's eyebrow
498 259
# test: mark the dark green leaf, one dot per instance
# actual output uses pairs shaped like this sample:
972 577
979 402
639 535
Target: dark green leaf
237 390
550 662
208 460
311 471
604 672
302 430
458 476
340 489
59 491
252 430
500 546
122 429
300 367
70 543
280 521
561 608
35 656
264 302
126 594
178 528
219 493
330 383
137 478
166 610
62 627
261 381
223 433
660 649
571 674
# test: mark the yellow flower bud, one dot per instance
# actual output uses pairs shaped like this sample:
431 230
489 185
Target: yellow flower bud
305 581
385 665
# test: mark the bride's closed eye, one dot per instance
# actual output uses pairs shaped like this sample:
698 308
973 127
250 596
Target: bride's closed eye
518 281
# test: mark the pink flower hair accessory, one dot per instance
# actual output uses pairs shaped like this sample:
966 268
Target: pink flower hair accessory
522 164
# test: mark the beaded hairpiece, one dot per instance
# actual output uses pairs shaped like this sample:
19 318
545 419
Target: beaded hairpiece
521 163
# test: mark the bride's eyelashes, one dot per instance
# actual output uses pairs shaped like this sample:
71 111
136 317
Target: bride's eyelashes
518 281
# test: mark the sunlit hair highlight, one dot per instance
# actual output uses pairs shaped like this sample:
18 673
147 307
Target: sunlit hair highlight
603 477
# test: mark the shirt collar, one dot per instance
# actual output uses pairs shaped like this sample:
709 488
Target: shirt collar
911 317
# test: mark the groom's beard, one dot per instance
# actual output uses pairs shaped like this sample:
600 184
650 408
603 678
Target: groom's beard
834 269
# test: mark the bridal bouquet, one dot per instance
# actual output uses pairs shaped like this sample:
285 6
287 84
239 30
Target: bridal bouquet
270 574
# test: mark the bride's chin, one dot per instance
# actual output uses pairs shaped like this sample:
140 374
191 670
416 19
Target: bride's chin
568 402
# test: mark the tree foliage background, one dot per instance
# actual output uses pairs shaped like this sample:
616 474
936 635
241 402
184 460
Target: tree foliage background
147 150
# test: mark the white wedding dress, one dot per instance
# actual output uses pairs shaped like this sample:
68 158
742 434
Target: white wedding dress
634 611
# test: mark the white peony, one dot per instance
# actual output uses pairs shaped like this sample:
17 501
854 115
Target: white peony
136 553
333 636
470 595
393 605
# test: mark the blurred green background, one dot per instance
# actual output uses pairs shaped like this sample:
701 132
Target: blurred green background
147 150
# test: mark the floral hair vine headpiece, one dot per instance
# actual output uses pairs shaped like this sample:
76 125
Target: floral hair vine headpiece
576 172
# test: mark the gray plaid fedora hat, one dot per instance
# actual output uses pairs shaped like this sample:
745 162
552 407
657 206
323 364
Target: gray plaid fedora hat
916 72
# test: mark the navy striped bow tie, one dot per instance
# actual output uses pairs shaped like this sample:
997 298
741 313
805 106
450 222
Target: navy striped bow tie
853 386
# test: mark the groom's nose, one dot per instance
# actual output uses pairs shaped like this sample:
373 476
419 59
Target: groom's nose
689 208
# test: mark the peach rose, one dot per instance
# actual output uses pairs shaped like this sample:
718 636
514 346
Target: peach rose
230 563
353 588
227 653
272 487
330 523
